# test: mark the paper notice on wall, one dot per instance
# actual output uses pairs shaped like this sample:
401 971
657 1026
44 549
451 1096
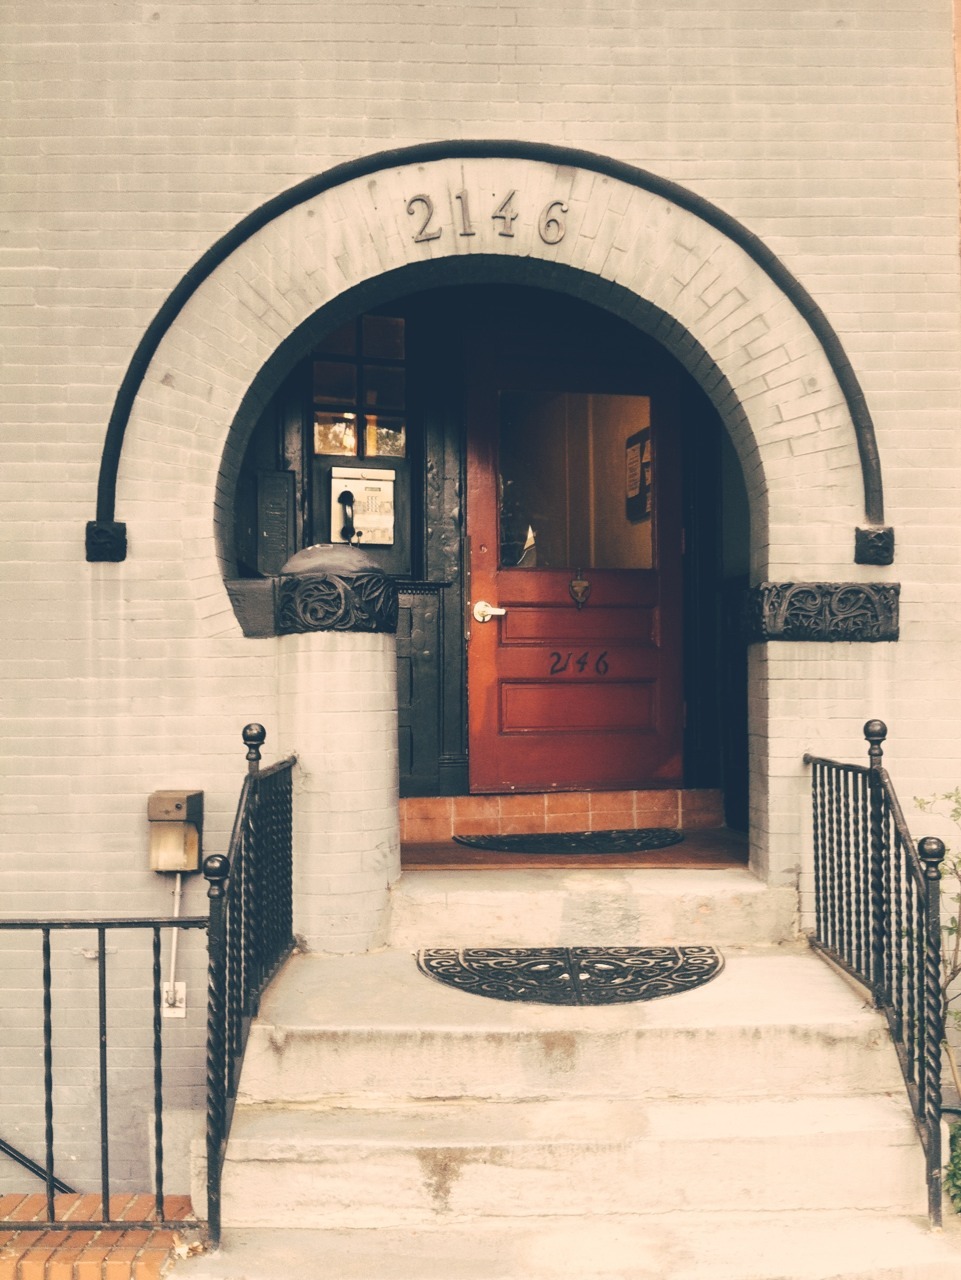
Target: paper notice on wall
638 476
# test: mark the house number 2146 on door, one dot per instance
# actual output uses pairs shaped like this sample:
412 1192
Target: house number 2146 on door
551 223
566 663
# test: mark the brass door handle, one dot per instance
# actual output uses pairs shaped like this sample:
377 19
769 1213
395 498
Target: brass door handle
483 612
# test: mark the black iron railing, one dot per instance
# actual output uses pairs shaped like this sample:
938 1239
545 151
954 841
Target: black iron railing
38 1170
48 929
251 933
878 916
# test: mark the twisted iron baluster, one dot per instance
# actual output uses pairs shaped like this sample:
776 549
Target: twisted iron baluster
817 800
931 851
889 983
875 731
897 972
216 870
254 736
845 931
47 1070
921 900
285 877
263 867
831 861
236 913
857 874
281 870
268 876
269 881
868 876
826 852
250 897
914 968
158 1080
233 927
102 1073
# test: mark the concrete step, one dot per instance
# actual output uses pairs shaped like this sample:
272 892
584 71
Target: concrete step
403 1166
775 1022
554 907
727 1246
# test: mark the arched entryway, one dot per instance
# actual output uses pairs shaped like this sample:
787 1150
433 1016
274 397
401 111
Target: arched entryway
537 448
670 265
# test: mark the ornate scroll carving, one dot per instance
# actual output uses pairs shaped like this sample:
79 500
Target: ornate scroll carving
874 545
861 611
106 541
364 601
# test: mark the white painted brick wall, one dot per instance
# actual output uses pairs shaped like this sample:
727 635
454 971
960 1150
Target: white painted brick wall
137 135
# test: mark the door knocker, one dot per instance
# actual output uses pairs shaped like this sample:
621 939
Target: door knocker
579 588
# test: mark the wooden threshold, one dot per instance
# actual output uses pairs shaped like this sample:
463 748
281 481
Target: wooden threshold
713 849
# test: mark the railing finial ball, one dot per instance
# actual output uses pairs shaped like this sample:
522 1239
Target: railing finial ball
254 737
216 868
875 731
931 851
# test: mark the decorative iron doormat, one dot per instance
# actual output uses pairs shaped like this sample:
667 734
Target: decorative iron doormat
635 841
572 975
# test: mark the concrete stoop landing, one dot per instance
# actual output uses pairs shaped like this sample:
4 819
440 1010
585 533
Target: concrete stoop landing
739 1246
754 1128
553 907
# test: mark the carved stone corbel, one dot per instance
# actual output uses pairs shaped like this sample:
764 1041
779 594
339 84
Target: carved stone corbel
826 611
334 588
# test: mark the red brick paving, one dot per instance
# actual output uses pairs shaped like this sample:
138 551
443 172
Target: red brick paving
31 1252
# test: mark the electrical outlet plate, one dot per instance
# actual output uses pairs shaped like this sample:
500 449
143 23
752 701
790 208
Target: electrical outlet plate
173 999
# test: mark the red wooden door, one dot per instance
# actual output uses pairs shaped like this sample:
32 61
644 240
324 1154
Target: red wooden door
573 496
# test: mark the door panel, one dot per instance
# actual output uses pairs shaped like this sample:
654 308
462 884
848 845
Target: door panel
573 493
587 706
600 625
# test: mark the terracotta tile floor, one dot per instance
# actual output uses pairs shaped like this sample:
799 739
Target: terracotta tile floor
435 819
28 1251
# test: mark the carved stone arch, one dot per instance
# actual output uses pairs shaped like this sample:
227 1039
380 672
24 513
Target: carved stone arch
675 265
482 269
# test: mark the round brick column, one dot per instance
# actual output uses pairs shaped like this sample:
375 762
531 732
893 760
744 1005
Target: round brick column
337 680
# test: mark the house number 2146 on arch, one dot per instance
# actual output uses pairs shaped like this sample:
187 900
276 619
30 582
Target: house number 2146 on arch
551 221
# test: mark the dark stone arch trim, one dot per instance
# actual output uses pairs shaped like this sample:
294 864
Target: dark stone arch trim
106 531
478 268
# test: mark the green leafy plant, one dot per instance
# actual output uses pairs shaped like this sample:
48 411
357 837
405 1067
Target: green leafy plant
952 1172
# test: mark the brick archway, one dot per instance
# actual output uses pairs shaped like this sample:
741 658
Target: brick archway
625 240
672 264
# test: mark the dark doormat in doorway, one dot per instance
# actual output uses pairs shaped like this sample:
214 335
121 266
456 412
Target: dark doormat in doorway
572 975
635 840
